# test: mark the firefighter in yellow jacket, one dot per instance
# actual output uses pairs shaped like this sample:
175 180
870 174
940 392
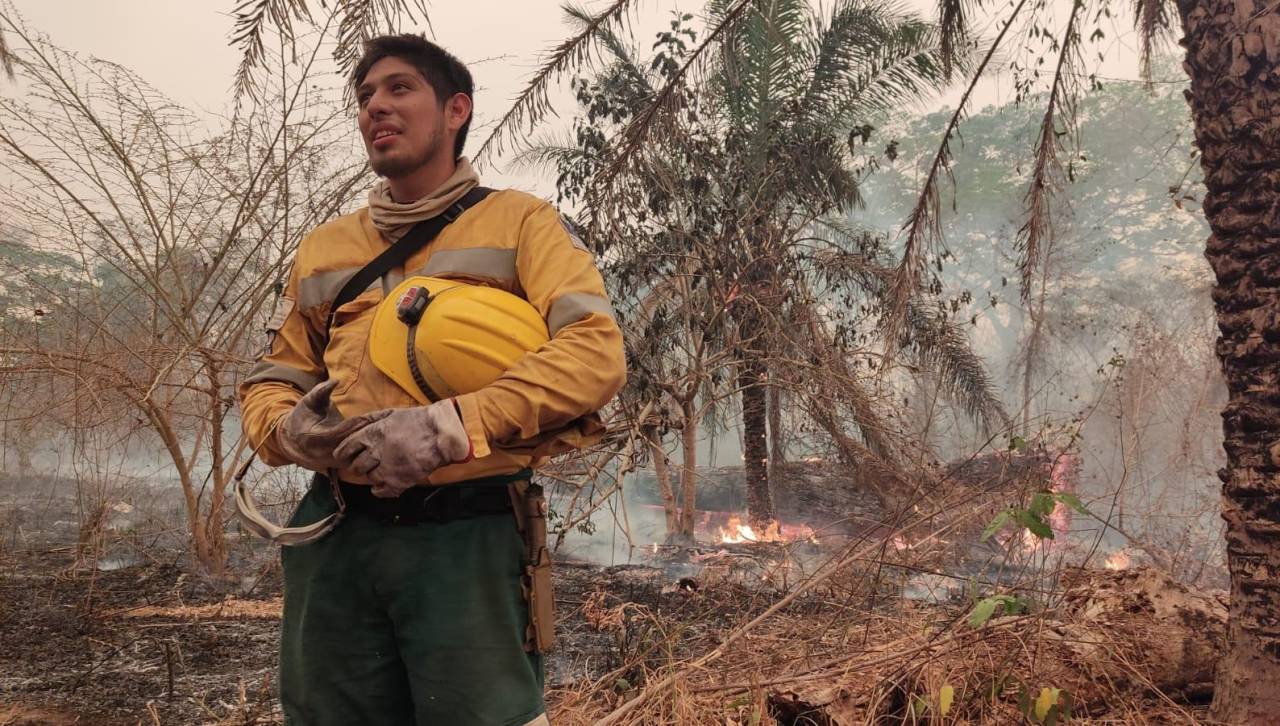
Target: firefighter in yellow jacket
411 610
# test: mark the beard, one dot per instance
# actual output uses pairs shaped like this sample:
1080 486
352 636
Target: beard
401 165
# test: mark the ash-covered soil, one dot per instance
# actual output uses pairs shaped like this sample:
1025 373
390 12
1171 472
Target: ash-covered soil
151 642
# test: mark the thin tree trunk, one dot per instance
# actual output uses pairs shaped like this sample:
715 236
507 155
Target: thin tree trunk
755 444
689 475
1235 104
216 537
663 472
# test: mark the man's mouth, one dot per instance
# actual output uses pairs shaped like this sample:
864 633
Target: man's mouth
384 138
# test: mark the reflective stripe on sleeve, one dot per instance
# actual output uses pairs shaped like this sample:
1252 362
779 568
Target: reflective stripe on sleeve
323 287
265 371
574 306
491 262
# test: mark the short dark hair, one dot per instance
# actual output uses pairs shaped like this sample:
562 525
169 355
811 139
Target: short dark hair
446 74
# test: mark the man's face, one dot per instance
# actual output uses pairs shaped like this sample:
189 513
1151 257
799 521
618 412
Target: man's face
403 124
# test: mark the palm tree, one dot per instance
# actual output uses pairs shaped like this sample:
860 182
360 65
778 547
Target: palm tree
795 86
733 202
1234 99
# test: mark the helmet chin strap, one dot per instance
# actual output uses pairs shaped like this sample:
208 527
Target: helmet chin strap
411 351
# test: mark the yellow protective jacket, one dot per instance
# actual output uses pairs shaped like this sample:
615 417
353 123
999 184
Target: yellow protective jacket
546 403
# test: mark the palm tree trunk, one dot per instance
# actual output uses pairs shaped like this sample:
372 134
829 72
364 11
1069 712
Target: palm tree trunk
1235 103
777 437
755 444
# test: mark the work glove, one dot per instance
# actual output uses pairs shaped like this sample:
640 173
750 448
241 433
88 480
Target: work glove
309 433
403 447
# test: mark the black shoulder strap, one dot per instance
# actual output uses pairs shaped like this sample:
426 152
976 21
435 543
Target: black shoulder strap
415 239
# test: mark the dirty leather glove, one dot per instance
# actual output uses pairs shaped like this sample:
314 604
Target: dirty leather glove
400 450
310 432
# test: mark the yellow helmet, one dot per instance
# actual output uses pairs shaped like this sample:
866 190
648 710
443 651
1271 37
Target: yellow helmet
464 336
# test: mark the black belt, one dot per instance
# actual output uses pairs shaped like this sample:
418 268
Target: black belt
417 505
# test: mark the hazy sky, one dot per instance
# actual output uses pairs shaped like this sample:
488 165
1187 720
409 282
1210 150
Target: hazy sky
180 46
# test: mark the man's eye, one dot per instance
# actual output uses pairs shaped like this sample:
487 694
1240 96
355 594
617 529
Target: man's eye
401 87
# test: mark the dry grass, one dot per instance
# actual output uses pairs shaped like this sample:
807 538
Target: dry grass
836 652
229 609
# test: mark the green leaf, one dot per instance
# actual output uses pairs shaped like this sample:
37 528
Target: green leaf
1014 605
1041 503
1033 524
983 611
1017 443
995 525
1071 500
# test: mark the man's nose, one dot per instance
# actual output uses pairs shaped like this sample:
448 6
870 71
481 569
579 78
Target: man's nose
377 104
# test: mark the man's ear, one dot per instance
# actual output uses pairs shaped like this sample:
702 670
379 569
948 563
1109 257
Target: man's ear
458 110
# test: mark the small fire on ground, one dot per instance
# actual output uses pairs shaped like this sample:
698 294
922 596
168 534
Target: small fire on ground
1118 560
735 531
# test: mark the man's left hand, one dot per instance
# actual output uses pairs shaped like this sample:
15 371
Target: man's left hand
401 449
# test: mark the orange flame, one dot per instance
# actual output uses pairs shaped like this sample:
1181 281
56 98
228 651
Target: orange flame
1119 560
735 531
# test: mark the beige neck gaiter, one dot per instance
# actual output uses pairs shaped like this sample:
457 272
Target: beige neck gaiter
393 219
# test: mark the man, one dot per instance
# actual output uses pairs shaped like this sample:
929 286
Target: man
395 617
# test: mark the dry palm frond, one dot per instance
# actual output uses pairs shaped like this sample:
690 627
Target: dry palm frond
253 17
533 103
625 65
933 341
1151 18
360 20
1046 178
953 23
6 58
923 225
357 21
940 345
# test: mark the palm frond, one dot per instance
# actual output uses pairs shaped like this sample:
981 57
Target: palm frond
667 100
533 103
953 22
360 20
906 66
1151 19
357 21
6 57
624 60
923 225
551 153
253 19
759 61
838 46
940 345
1047 176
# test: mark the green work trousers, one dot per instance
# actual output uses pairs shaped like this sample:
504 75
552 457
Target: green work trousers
406 625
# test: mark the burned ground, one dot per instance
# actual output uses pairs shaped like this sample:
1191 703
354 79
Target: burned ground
852 629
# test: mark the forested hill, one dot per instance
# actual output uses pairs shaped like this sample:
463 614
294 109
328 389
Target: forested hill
1130 240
